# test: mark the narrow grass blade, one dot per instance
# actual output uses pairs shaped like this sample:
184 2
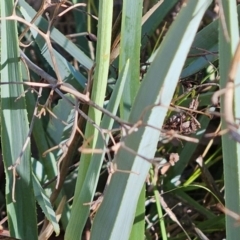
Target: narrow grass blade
74 230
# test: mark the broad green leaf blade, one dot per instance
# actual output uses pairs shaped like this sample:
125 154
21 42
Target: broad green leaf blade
45 204
77 221
130 46
231 149
115 216
22 220
130 49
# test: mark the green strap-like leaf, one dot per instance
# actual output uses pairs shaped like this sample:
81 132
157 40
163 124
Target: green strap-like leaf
130 49
22 220
230 148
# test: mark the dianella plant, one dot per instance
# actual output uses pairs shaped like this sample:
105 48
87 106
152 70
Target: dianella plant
119 119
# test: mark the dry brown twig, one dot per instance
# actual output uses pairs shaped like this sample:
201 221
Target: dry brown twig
228 98
228 212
